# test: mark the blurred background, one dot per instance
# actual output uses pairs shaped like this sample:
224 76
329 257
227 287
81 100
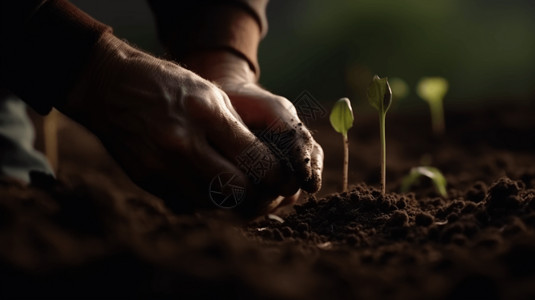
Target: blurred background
485 48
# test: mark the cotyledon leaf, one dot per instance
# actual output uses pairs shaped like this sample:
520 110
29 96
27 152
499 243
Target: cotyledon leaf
380 94
342 116
439 181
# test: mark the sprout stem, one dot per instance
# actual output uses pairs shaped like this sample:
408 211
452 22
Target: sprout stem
380 97
346 163
342 119
382 121
437 116
432 90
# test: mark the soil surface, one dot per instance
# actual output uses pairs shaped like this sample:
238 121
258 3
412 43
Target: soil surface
91 233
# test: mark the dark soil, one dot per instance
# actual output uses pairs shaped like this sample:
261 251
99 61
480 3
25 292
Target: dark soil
93 234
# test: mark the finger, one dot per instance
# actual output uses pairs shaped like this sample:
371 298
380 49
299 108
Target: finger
313 183
283 132
293 145
256 159
206 181
235 192
239 145
199 178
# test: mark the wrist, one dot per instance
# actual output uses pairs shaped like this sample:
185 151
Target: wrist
217 26
221 66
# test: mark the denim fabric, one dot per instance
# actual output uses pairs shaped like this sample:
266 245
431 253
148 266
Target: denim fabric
17 155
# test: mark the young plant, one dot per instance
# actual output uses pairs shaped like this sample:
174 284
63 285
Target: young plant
439 181
380 97
400 89
433 90
342 119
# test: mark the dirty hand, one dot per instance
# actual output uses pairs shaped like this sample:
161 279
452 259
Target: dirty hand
272 117
172 131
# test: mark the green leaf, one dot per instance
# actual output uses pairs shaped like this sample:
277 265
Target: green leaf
380 94
342 116
439 181
432 89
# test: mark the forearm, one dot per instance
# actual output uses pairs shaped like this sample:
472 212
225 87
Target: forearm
45 46
190 28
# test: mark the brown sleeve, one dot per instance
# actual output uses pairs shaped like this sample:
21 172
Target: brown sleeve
45 45
188 26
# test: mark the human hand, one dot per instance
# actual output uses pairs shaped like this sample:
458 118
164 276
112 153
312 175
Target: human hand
169 129
266 113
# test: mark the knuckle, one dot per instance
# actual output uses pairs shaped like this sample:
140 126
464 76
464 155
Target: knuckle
202 101
288 105
283 103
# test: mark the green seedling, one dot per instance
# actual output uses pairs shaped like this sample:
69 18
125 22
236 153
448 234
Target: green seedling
400 89
380 97
439 181
433 90
342 119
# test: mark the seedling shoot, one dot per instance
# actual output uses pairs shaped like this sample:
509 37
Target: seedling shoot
439 181
400 89
433 90
342 119
380 97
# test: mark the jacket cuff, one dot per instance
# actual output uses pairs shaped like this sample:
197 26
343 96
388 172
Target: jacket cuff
224 25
